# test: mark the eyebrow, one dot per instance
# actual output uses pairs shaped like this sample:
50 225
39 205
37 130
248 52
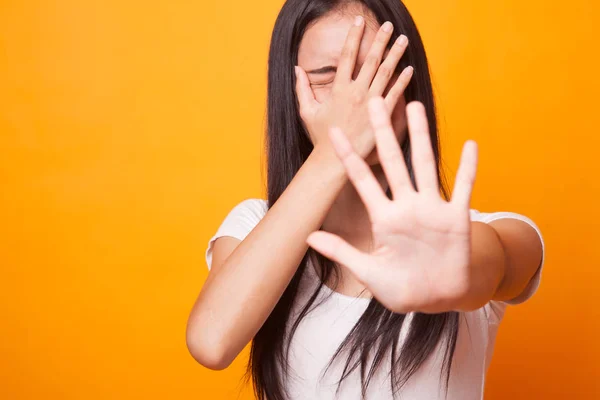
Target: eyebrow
323 70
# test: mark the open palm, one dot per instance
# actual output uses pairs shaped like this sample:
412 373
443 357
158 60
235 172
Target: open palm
422 243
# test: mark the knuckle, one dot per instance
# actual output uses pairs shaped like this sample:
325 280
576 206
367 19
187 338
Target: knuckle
395 54
348 53
360 171
392 98
371 61
423 158
385 72
395 91
399 85
391 159
357 97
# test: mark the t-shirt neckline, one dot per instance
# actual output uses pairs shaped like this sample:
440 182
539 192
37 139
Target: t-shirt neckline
333 293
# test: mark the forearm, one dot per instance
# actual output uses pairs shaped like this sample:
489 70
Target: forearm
237 299
486 269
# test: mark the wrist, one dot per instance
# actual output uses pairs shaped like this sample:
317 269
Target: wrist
328 161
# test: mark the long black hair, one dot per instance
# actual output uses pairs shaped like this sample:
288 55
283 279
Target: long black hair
377 331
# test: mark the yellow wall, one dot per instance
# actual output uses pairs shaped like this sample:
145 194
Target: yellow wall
128 129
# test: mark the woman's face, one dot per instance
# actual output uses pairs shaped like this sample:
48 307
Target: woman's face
322 46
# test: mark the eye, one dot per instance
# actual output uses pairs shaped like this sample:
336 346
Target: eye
322 76
320 84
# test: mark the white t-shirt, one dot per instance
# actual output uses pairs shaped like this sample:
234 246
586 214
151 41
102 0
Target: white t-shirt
323 329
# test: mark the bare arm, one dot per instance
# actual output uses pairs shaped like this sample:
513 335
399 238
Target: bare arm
505 254
430 256
523 253
257 270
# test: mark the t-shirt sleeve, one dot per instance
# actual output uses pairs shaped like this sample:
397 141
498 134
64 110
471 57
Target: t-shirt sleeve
238 223
534 282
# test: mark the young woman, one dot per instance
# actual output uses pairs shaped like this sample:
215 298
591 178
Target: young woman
354 181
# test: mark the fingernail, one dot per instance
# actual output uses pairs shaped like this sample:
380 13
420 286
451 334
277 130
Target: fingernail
402 40
296 70
387 26
358 20
410 70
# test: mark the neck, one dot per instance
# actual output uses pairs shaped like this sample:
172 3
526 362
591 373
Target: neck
348 217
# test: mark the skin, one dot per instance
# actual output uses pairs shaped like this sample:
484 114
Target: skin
428 256
503 254
321 47
416 252
387 253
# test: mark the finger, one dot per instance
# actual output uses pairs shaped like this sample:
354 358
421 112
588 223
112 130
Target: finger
465 177
398 88
340 251
306 97
359 173
374 56
388 150
347 62
387 68
422 153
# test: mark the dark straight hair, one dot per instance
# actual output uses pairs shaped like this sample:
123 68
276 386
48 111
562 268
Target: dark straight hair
377 331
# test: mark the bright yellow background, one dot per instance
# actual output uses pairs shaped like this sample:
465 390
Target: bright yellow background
128 129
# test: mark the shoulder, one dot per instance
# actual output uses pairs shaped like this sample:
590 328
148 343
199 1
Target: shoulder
494 310
244 216
488 217
252 208
239 222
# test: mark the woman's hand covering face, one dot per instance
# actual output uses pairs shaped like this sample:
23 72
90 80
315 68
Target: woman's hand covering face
346 105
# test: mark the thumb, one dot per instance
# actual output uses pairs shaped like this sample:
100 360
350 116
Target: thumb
340 251
306 97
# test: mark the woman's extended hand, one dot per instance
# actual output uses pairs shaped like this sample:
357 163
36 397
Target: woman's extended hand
346 106
422 243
